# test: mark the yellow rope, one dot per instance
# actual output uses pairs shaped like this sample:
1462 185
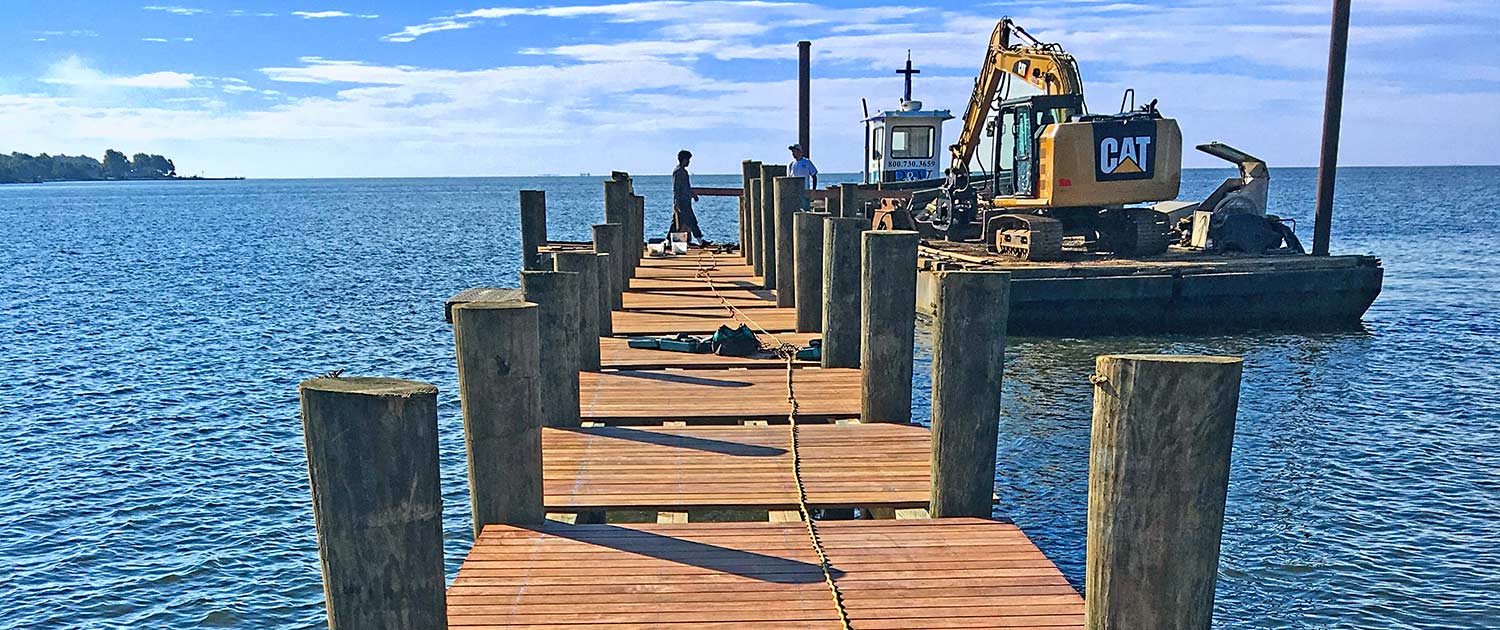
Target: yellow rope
788 352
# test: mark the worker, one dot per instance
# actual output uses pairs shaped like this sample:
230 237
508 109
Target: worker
803 167
683 219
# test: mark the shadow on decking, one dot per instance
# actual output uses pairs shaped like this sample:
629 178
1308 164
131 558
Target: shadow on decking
677 377
676 440
727 560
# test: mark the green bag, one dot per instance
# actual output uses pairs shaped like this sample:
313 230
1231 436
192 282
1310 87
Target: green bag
735 342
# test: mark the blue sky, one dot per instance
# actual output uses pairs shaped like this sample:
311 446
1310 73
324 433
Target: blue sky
331 88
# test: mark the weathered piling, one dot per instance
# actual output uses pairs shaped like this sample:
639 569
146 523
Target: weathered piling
789 193
808 244
968 360
619 207
585 264
533 227
372 460
609 296
1158 475
749 170
887 295
850 204
757 230
768 175
841 288
638 216
607 240
498 379
556 296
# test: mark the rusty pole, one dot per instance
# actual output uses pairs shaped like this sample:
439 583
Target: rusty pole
804 95
1333 113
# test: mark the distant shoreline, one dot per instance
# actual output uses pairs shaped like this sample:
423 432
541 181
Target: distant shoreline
192 178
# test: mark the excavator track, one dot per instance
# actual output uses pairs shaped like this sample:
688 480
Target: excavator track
1027 237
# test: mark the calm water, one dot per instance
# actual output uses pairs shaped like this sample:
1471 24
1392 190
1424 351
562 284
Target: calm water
152 335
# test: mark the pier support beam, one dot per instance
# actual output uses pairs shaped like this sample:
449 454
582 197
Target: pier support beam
887 294
372 459
789 192
556 296
749 170
809 270
533 227
607 238
850 204
968 361
1333 116
590 297
638 216
498 379
608 296
768 175
1158 475
841 287
757 230
619 207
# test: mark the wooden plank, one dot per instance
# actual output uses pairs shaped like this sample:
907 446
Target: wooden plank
681 469
699 300
638 396
670 322
615 353
759 575
694 284
715 270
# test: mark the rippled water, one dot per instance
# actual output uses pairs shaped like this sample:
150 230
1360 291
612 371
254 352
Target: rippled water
152 335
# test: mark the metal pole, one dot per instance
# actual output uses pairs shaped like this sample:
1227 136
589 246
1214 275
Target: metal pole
1333 113
804 95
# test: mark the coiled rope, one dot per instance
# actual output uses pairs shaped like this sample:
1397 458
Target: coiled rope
788 353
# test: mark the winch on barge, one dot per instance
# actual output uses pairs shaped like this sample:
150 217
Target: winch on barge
1081 208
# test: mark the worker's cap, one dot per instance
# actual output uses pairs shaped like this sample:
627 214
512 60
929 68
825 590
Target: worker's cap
795 147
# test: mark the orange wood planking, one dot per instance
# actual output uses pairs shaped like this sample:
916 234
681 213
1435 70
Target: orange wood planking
943 573
669 321
699 300
715 395
749 467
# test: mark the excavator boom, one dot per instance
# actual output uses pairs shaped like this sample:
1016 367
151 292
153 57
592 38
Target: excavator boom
1044 66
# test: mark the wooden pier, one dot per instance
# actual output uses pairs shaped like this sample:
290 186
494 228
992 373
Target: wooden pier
829 508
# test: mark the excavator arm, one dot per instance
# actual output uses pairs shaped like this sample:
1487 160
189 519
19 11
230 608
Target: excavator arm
1044 66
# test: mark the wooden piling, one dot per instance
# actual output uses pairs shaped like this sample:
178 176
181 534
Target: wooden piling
841 288
372 460
808 244
556 296
619 207
638 238
498 347
607 240
608 295
749 170
768 175
789 193
1158 476
968 360
533 227
888 295
757 230
585 264
850 204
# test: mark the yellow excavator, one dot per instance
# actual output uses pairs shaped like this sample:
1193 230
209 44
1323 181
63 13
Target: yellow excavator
1053 168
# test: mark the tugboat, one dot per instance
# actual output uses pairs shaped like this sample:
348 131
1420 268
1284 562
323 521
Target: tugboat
902 146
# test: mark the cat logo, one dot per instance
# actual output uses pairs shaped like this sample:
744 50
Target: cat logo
1125 150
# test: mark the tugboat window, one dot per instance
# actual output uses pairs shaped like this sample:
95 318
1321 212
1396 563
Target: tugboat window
878 146
911 143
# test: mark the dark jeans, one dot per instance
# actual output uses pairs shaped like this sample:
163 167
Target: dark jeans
683 220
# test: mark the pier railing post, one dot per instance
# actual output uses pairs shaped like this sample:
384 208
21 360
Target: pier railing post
533 227
619 207
842 280
1158 476
607 295
888 297
585 264
757 230
556 296
968 361
607 237
749 170
768 175
372 460
809 246
498 378
789 193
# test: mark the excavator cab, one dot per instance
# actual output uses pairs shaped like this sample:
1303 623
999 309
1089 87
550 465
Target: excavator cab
1018 126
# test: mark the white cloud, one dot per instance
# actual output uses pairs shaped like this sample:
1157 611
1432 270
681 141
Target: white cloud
411 33
161 40
313 15
174 10
74 71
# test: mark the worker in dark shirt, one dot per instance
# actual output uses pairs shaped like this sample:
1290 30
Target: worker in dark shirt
683 219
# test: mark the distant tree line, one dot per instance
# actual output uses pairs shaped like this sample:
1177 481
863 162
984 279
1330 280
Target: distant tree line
20 167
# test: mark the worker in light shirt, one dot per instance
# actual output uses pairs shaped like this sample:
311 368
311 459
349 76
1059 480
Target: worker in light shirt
803 167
